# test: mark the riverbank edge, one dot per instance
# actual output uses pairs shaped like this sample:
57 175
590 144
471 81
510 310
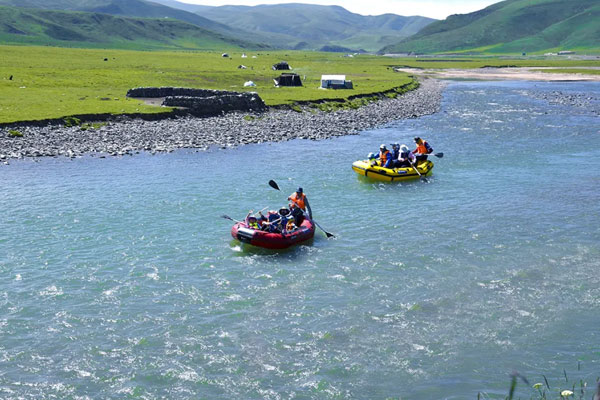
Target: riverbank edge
129 135
176 112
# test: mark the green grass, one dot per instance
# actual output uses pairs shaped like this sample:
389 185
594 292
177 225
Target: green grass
52 82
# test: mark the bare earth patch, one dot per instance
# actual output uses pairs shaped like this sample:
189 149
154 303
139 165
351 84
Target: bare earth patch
512 73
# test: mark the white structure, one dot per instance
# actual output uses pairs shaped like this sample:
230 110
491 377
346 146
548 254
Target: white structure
249 83
335 82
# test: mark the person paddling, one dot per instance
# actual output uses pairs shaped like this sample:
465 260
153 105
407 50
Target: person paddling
405 157
423 148
299 199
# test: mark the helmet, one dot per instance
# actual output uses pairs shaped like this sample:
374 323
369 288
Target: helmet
395 145
251 218
284 211
382 147
417 139
371 156
299 190
404 148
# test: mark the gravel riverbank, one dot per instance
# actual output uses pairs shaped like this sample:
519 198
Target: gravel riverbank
128 136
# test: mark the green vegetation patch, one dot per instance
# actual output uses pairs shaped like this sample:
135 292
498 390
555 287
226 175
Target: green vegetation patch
39 83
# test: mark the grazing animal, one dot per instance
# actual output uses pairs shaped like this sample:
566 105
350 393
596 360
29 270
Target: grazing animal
10 78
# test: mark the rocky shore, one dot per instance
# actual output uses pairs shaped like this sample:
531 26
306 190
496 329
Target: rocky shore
128 136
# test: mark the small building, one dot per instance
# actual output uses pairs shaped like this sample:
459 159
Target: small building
224 55
335 82
282 65
565 52
288 80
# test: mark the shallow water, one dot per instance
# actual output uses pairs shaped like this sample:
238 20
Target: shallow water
119 279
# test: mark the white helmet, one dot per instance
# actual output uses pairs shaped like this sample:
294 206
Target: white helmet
371 156
404 148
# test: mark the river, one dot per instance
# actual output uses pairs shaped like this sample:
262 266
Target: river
119 278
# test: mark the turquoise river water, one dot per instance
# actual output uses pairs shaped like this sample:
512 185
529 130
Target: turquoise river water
119 279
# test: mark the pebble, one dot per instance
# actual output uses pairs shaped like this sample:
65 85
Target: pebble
128 136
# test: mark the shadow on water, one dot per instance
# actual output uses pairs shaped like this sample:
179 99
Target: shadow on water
374 182
294 252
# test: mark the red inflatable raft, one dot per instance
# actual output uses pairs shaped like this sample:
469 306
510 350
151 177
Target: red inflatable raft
243 233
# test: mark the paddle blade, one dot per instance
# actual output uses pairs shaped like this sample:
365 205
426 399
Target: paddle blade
273 184
439 155
227 217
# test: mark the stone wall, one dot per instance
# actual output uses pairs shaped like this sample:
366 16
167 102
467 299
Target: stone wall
202 102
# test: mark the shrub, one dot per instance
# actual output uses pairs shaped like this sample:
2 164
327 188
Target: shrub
71 121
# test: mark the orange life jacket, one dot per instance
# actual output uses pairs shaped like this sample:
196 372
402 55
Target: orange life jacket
383 157
423 148
300 201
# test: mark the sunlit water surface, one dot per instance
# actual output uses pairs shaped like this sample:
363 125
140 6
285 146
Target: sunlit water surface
119 279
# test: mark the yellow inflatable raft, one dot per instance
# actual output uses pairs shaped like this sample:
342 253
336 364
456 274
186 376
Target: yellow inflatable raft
375 172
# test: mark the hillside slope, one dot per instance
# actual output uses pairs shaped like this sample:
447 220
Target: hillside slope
313 26
140 9
83 29
511 26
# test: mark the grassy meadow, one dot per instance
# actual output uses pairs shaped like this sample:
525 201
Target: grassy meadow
52 82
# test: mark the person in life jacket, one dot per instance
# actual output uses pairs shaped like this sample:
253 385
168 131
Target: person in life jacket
385 157
372 159
423 148
405 157
299 199
395 151
252 222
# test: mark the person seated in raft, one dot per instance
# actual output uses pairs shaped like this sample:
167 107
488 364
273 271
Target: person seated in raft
272 222
297 214
395 151
385 157
405 158
372 159
284 214
290 226
299 198
423 148
251 221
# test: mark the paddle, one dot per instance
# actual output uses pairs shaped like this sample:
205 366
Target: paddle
229 218
438 155
274 185
417 171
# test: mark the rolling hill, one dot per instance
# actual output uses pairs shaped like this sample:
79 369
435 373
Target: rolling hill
313 26
140 9
511 26
86 29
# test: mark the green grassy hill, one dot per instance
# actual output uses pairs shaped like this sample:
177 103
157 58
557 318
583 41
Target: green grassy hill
139 9
313 26
512 26
82 29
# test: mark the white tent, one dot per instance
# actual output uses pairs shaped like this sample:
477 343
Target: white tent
249 83
335 82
